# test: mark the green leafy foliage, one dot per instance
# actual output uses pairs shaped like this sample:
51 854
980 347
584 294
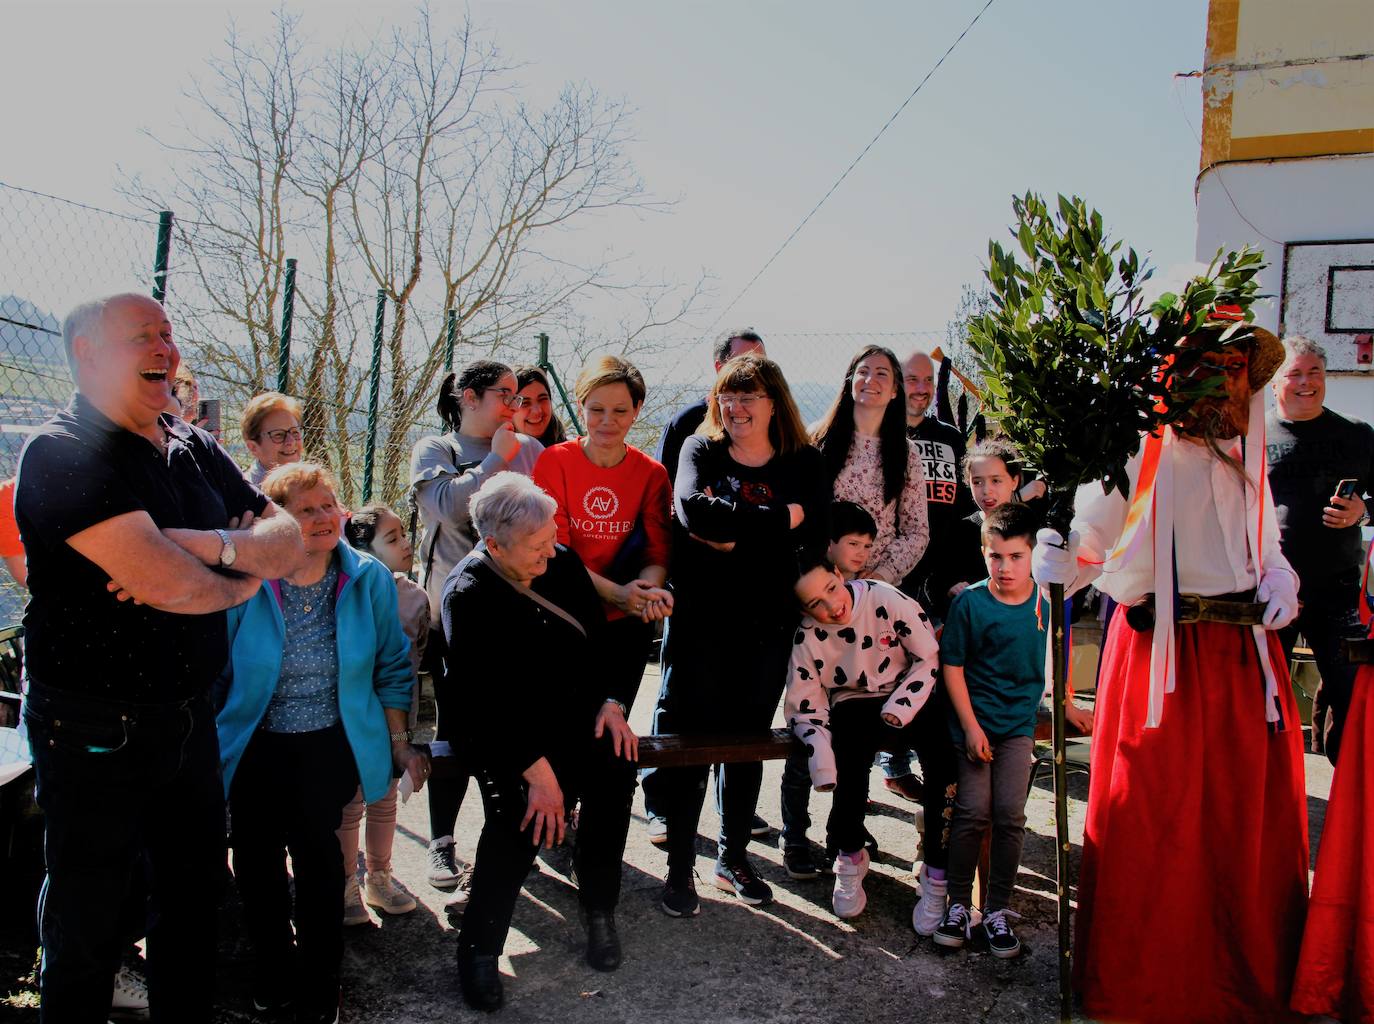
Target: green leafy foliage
1070 356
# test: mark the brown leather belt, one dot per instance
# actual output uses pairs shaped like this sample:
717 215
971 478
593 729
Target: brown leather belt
1358 652
1232 609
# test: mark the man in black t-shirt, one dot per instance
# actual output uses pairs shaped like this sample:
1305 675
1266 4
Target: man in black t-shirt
942 449
125 514
1311 449
947 499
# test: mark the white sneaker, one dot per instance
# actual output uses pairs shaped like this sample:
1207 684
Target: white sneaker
354 911
849 898
130 998
658 830
384 894
443 863
930 908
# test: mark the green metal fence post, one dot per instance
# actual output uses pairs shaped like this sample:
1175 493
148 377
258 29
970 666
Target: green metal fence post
451 336
164 247
547 367
288 309
373 396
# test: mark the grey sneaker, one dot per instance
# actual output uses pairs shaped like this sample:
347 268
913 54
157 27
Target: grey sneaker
443 863
849 898
384 894
130 998
354 911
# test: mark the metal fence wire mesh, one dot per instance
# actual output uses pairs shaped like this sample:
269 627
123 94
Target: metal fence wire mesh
59 253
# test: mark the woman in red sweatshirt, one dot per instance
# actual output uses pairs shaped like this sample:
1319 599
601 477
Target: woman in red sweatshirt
613 510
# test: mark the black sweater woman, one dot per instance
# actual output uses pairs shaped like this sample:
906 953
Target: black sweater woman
749 492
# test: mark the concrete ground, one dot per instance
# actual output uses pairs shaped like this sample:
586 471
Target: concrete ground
787 961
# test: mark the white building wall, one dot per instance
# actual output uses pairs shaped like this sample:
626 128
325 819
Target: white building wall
1266 204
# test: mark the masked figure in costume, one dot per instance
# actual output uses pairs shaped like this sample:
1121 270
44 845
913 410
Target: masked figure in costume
1336 971
1194 878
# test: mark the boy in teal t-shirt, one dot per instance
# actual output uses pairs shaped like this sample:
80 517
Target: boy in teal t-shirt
993 653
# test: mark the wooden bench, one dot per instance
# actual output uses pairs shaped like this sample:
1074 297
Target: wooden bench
671 751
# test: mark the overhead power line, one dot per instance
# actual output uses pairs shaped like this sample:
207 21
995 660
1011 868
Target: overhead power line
840 180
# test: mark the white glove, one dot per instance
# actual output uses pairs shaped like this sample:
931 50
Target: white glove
1052 561
1279 595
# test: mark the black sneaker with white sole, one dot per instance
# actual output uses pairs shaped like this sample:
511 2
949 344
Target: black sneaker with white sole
1002 941
800 863
759 827
740 879
955 929
679 897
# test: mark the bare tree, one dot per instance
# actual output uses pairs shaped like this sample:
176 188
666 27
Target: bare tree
228 182
408 165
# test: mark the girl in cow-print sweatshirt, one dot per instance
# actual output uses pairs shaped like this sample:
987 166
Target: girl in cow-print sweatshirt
861 640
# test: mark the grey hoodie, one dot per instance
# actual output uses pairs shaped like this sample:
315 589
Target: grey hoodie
445 472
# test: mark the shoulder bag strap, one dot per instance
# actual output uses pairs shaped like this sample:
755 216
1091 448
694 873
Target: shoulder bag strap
481 552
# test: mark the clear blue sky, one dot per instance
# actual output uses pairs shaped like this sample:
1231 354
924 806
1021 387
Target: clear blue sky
747 112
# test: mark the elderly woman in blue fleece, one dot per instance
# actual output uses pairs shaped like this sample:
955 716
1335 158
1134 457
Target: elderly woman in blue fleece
316 705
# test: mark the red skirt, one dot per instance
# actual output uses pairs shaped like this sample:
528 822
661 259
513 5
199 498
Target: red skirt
1336 971
1194 880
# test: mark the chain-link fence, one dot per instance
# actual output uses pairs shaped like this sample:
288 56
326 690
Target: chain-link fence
365 367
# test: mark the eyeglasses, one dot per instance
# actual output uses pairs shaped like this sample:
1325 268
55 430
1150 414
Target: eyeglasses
524 401
508 397
745 402
280 436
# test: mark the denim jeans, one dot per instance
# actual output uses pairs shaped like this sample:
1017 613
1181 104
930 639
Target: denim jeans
895 764
119 781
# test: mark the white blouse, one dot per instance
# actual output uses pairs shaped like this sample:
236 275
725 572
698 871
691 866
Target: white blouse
1210 508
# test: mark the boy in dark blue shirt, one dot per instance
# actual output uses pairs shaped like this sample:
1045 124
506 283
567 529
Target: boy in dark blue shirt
993 653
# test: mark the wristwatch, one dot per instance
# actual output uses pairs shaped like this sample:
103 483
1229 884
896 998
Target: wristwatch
401 737
620 704
227 553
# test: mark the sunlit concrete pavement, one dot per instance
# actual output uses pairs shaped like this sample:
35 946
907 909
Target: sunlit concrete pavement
789 961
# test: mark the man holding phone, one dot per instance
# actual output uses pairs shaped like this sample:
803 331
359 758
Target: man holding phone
1321 467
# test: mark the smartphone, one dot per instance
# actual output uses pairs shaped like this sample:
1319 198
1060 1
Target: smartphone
208 415
1346 488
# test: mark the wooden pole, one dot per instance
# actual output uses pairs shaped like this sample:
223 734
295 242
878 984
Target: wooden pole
1059 666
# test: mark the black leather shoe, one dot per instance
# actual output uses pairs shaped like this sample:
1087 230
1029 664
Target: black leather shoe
603 941
481 980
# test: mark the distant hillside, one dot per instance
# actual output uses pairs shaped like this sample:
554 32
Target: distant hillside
28 333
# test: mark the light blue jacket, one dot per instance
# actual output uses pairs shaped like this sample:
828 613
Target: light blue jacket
374 667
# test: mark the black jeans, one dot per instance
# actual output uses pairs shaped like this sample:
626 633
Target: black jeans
992 802
718 681
448 782
119 782
857 733
604 783
795 794
288 796
1328 615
